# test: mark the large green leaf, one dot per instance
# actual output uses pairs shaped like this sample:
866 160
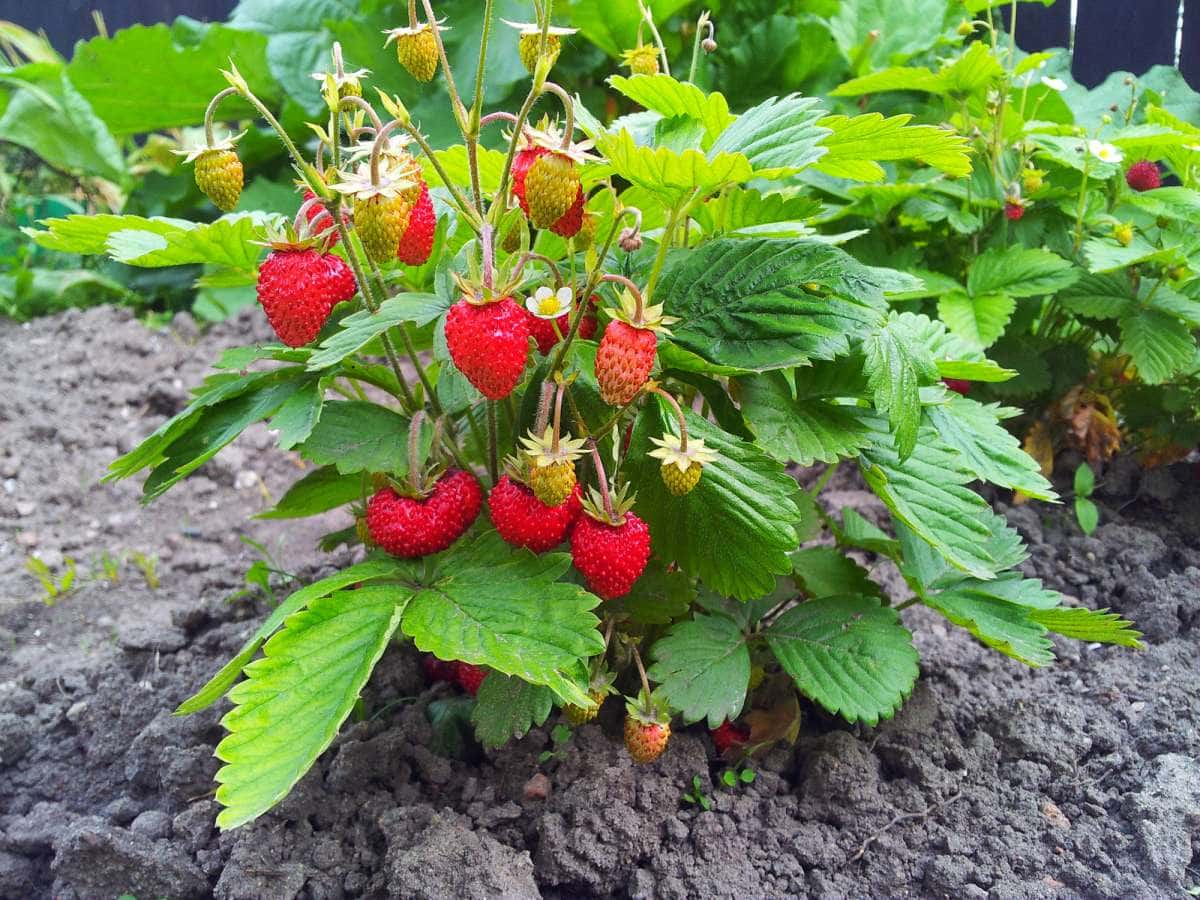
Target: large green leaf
972 73
357 436
827 572
1020 272
979 320
801 430
882 32
1158 342
486 604
148 78
737 526
857 145
988 449
319 491
1004 626
769 304
294 699
849 654
747 211
614 27
896 367
672 175
927 492
1098 296
954 357
702 667
507 707
779 137
669 98
658 597
360 328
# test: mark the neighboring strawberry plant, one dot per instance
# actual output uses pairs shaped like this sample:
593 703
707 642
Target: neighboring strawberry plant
734 340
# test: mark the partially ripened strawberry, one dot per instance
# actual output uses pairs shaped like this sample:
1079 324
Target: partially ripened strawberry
411 526
524 521
220 176
570 223
958 385
1143 176
647 728
437 669
729 734
381 221
417 241
298 288
1014 211
469 677
546 180
624 361
610 550
320 220
489 343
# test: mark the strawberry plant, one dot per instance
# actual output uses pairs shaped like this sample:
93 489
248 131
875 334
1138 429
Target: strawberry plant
643 537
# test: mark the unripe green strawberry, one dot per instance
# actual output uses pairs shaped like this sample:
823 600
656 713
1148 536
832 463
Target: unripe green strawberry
581 715
528 48
682 464
1032 180
551 188
552 484
680 483
416 48
641 60
1123 234
220 176
381 221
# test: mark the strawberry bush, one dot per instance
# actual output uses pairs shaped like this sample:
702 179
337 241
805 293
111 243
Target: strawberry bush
557 386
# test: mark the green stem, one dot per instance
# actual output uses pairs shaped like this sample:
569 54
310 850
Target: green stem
249 97
472 217
211 111
660 259
471 133
824 480
493 442
1087 164
683 435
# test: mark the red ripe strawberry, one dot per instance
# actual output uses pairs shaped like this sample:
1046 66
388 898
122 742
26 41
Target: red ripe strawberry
543 329
299 288
1143 176
319 219
489 343
1013 211
410 527
469 677
624 361
610 557
437 669
417 241
958 385
524 521
646 741
727 735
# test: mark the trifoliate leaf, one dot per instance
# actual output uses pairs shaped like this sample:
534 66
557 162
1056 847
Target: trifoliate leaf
671 175
896 368
294 699
802 431
507 707
702 668
978 320
848 654
1158 342
670 98
857 145
1020 272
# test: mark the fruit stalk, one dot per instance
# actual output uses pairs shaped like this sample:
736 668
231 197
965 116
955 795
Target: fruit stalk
493 442
648 16
471 132
633 289
414 449
211 111
460 110
239 84
568 111
637 659
683 435
601 478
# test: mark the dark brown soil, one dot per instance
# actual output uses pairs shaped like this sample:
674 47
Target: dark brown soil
1080 780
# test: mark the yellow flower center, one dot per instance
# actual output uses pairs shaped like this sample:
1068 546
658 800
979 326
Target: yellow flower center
548 306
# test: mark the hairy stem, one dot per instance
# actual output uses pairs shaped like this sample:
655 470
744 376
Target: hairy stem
212 111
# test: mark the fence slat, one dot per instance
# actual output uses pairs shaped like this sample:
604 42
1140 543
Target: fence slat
1117 35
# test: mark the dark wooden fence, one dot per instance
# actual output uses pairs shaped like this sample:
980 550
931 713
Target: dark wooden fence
1110 35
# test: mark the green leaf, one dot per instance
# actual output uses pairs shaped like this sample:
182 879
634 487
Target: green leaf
1159 344
319 491
456 166
971 74
1004 626
1020 272
367 571
357 436
298 415
747 211
827 572
882 32
1098 296
979 320
670 175
737 526
988 449
664 95
857 145
848 654
954 357
1085 480
507 707
805 430
157 242
486 604
658 597
927 492
702 667
294 699
779 137
360 328
764 304
614 27
1092 625
896 368
1087 514
122 76
858 532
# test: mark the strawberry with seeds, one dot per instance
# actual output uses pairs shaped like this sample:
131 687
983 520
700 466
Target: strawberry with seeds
545 178
629 346
647 721
487 335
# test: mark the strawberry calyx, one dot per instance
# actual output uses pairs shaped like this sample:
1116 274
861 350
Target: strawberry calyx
595 507
648 709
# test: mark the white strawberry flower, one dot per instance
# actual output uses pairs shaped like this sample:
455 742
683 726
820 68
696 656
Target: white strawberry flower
548 304
1104 152
1055 84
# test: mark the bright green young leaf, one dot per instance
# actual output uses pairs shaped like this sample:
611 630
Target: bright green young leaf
827 572
1085 480
857 145
986 448
1098 296
614 27
294 699
849 654
319 491
1098 625
356 436
971 74
779 137
746 210
507 707
804 430
664 95
1001 625
360 328
769 304
737 526
702 668
896 367
487 605
1087 514
1159 344
978 320
364 572
927 491
454 163
670 175
1020 272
